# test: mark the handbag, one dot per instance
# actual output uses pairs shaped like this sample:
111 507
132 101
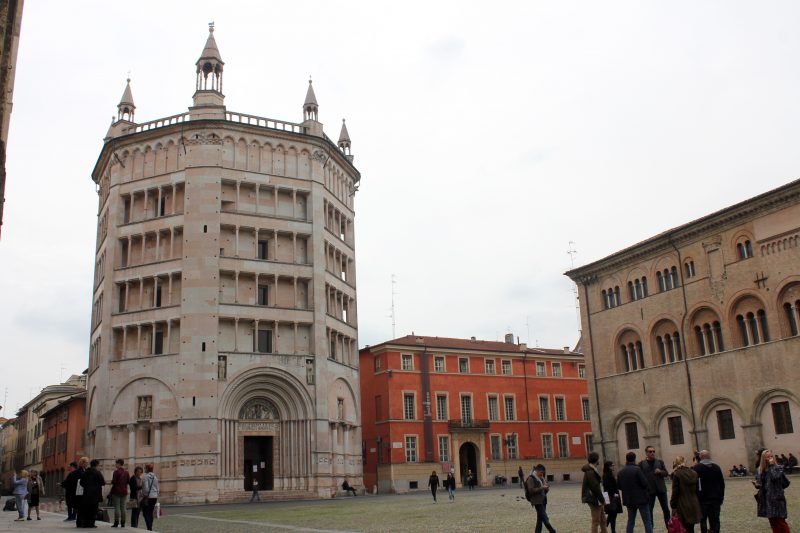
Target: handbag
784 481
675 525
132 504
79 489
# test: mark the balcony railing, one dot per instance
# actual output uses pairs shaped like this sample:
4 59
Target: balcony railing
231 116
468 423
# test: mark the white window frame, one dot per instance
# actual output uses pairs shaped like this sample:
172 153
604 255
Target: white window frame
541 369
566 440
443 457
545 453
489 399
459 365
563 402
413 396
489 366
512 450
582 371
499 455
446 406
407 357
461 397
586 408
555 369
544 416
506 364
506 398
411 450
436 360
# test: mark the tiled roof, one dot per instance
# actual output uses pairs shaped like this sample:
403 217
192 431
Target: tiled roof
469 344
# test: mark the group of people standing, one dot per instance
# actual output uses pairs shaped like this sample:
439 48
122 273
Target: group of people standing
696 498
83 488
27 488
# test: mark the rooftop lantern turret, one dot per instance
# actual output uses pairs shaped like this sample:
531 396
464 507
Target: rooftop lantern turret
209 102
344 142
126 108
310 106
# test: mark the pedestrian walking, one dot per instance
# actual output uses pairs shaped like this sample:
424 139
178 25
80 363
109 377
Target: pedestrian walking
450 485
92 483
592 493
433 483
20 491
35 491
614 505
136 495
635 498
771 483
655 472
536 489
521 476
684 502
254 496
68 485
119 492
150 495
470 479
710 492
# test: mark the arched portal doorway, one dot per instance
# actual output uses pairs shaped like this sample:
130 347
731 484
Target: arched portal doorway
468 458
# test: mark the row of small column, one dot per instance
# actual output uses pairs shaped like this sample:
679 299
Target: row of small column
753 331
339 343
634 356
255 328
156 279
274 234
127 260
152 347
275 191
670 347
160 192
275 278
337 223
341 305
710 338
338 259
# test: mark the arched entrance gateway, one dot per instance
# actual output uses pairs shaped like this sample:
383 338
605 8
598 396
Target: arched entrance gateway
468 458
266 434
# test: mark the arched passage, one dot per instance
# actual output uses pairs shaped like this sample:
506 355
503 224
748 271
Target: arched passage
468 456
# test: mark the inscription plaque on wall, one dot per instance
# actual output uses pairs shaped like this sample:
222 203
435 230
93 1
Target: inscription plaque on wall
258 426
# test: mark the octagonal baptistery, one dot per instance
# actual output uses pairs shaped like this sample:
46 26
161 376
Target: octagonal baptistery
224 326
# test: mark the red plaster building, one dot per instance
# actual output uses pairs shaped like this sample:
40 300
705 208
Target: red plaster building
64 427
434 403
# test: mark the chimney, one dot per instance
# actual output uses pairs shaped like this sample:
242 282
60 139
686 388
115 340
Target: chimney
472 338
523 346
566 349
509 338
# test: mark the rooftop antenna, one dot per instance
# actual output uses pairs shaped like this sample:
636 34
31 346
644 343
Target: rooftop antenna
393 315
61 375
528 326
571 252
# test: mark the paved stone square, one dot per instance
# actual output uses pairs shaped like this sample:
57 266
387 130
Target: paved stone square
480 510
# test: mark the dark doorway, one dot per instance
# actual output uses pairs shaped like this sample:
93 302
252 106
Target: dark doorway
468 456
258 463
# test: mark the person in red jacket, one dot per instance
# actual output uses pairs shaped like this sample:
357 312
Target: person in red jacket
119 492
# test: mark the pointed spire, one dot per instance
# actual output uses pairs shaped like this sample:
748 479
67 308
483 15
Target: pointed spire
210 65
344 142
126 107
310 106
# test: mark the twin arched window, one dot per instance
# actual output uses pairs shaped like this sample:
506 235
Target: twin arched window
669 347
753 327
667 279
792 314
709 338
744 249
611 297
637 289
632 356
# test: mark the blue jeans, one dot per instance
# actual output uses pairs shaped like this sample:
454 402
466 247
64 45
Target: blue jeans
451 494
20 498
542 518
644 510
662 499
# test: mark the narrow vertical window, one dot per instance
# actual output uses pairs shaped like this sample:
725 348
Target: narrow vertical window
441 407
408 406
495 444
782 416
544 408
790 315
411 449
262 249
493 410
725 424
509 404
563 446
675 425
466 409
762 319
661 350
585 408
718 336
660 278
547 446
444 449
742 330
632 435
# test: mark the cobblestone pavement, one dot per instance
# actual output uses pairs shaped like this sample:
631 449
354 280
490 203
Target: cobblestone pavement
488 510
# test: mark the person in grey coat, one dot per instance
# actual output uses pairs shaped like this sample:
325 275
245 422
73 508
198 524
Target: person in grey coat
635 496
771 499
655 471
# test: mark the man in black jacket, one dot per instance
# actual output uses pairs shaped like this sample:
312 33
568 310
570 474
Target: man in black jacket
710 491
69 484
92 482
655 472
635 496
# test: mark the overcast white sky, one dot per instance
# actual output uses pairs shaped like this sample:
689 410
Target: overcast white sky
488 135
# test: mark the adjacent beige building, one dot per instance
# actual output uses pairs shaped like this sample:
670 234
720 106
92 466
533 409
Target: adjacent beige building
691 336
224 331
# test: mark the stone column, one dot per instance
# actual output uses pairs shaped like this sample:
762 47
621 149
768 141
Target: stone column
236 287
236 243
174 194
131 444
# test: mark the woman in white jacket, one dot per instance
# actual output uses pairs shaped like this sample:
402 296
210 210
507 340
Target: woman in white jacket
150 495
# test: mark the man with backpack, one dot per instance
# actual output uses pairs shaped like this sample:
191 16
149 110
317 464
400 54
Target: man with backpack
536 489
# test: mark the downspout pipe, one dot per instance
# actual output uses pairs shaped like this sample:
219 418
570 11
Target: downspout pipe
683 342
585 282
